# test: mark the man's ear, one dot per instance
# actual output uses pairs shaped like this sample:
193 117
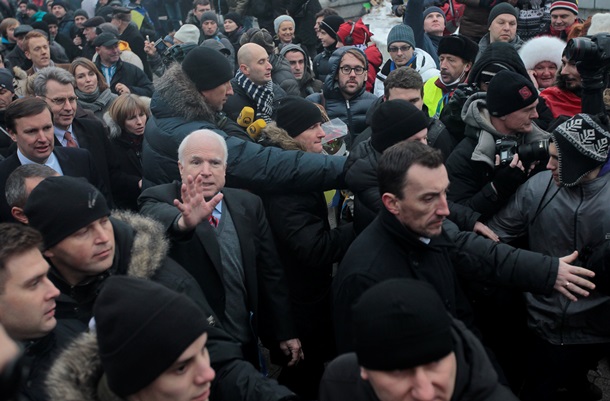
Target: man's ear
27 54
244 69
389 201
18 214
48 253
364 375
12 134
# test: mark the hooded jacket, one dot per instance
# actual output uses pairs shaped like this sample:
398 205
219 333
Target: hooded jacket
351 111
471 165
424 65
475 380
178 109
484 43
307 84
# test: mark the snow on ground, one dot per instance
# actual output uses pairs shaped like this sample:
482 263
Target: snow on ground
380 21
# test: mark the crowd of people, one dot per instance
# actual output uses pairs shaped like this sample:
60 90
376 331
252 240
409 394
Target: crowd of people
242 200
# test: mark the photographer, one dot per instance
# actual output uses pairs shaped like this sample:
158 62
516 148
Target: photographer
157 52
479 179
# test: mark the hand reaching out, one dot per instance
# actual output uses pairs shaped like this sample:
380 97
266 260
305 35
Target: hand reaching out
194 207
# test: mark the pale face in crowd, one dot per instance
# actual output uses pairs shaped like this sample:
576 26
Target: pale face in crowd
412 96
350 84
217 97
325 38
63 111
10 33
79 20
135 123
401 53
434 24
423 206
6 98
562 19
86 80
58 11
34 136
311 138
570 74
432 381
90 33
545 72
27 297
286 32
108 54
38 51
85 253
209 27
503 28
258 68
53 29
453 68
553 163
199 10
188 379
230 25
316 26
296 59
520 121
203 156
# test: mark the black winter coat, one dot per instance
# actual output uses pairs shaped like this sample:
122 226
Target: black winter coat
130 75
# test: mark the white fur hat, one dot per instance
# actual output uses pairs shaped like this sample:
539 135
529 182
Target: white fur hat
600 23
543 48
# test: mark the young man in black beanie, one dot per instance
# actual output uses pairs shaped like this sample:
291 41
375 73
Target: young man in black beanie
327 34
478 180
191 96
407 347
151 343
567 339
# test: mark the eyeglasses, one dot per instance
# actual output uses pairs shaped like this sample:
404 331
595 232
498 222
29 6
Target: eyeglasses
60 101
403 49
346 70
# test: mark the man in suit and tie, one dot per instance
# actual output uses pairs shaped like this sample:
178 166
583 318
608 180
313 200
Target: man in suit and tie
30 124
75 129
221 236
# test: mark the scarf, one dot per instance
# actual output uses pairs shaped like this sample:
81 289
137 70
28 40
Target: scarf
262 95
95 100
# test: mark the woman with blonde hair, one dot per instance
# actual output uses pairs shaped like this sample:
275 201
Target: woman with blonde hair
91 88
126 119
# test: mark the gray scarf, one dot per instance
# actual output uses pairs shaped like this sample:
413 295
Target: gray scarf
95 100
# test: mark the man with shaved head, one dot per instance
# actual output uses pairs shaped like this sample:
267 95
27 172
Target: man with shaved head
252 84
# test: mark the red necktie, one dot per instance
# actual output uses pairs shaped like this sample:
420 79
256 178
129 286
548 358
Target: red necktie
213 221
69 140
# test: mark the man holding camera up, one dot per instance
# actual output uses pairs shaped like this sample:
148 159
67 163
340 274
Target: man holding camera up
502 122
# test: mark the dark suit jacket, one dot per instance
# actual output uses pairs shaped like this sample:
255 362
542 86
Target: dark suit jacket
199 253
91 135
74 162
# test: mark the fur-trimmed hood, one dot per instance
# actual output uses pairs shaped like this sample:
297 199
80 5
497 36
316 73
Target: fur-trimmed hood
149 247
273 135
114 131
77 371
176 96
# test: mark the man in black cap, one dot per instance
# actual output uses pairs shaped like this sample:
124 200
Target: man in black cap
90 32
7 95
16 57
407 347
327 34
121 77
129 32
560 210
478 179
502 27
65 18
222 237
151 343
456 54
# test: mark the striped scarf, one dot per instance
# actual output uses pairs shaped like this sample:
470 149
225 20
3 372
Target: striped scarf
262 95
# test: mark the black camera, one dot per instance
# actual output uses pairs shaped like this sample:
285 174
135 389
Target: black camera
177 53
528 153
594 51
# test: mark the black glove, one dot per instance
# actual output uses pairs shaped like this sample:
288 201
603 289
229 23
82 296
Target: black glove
451 115
507 179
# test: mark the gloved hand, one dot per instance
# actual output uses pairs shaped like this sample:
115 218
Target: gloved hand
399 11
507 179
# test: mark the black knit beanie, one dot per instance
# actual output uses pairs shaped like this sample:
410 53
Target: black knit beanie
499 9
60 206
400 324
142 328
508 92
394 121
235 17
295 115
207 68
80 12
330 24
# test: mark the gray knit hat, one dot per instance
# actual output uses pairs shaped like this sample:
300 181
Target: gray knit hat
401 33
209 16
282 18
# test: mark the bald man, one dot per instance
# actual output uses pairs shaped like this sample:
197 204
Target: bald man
252 84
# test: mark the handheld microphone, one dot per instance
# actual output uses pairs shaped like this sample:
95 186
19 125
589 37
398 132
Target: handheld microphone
246 116
255 129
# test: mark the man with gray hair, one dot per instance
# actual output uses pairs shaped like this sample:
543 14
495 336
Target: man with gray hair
19 185
75 129
222 237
